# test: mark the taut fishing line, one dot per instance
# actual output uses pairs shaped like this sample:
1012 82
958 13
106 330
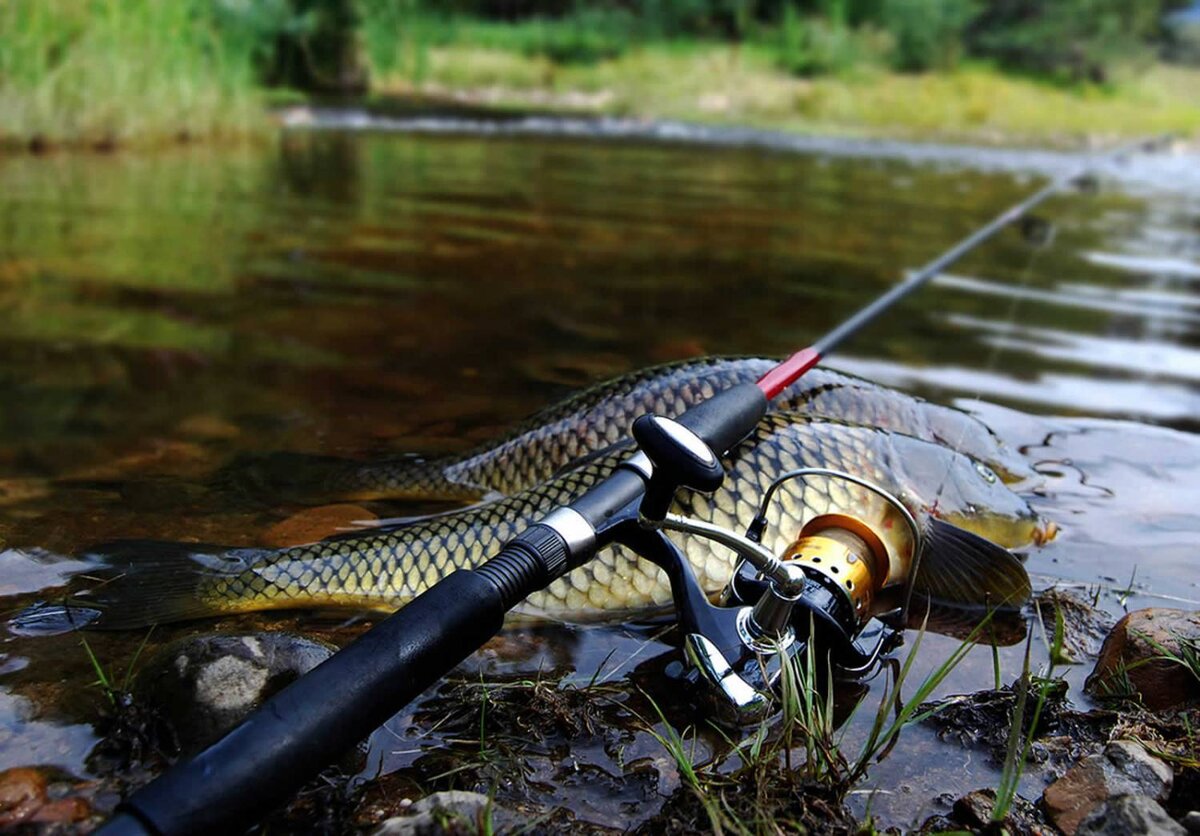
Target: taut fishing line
996 349
1037 247
991 363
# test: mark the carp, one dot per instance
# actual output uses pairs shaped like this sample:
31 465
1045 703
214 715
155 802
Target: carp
582 425
968 514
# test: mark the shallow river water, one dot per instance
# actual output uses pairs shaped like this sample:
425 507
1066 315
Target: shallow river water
362 289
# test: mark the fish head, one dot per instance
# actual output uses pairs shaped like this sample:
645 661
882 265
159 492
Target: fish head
963 432
967 493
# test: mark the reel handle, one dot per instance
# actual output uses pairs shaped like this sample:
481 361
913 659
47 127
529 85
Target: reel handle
681 460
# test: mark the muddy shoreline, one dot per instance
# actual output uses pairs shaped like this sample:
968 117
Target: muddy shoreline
525 746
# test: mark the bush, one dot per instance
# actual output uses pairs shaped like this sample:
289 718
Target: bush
587 36
677 18
1075 40
1183 43
815 46
927 34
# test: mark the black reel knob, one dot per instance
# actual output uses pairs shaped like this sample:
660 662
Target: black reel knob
681 460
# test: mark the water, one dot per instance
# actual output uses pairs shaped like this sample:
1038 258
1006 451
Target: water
360 292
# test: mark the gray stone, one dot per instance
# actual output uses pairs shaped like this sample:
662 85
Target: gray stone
431 815
1191 822
205 685
1124 768
1130 815
1151 776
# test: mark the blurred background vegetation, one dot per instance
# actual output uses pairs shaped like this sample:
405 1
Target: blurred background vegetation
111 72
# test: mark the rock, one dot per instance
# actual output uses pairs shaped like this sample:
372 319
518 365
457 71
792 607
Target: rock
1085 626
1124 768
974 811
1131 658
25 800
441 811
314 524
208 426
204 685
1130 815
1191 822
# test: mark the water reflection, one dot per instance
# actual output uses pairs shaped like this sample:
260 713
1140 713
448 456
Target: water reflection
364 294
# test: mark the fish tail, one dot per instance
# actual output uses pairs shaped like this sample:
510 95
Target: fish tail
137 583
959 567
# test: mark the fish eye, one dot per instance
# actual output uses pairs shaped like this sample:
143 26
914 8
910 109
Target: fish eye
986 472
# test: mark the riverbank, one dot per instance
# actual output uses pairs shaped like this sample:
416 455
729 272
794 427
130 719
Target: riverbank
116 75
708 84
732 85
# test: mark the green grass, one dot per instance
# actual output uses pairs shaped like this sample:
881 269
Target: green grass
1018 749
768 785
107 681
744 85
109 73
105 73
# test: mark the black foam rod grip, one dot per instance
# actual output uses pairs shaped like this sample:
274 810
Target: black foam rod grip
321 715
727 417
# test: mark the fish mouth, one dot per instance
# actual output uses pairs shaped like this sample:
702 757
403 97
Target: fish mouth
1011 532
1045 531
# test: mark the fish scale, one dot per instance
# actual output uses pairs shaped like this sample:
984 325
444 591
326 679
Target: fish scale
384 569
597 418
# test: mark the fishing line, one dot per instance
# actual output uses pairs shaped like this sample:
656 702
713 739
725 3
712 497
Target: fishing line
792 368
1008 218
991 362
996 349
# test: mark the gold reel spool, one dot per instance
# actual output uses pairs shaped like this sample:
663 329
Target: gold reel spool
847 551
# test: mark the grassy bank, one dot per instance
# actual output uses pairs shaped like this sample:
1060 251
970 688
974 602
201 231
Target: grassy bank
110 73
726 84
106 73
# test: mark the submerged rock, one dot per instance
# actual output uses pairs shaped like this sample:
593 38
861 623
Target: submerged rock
1130 815
1132 659
205 685
314 524
1124 768
31 798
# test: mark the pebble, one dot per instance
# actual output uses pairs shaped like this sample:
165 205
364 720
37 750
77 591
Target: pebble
428 815
25 801
974 810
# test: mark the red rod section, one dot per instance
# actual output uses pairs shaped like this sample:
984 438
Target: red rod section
788 372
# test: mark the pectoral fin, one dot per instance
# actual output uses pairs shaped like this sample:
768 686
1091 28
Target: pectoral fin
963 568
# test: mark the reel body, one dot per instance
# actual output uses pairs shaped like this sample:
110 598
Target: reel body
828 589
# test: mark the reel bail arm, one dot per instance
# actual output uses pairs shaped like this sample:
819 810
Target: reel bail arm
821 589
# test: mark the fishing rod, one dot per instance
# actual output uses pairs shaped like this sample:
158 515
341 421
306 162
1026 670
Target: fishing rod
823 590
790 370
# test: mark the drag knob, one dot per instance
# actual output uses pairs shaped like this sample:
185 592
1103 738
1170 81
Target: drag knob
681 460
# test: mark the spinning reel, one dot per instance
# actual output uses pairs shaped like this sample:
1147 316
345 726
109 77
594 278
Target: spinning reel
828 588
